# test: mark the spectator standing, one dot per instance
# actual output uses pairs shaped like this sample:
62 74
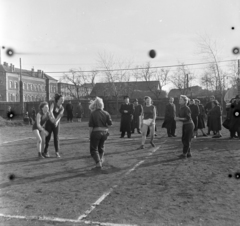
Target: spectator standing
215 116
69 110
201 116
126 111
138 109
194 114
234 117
98 129
169 119
209 106
10 113
79 112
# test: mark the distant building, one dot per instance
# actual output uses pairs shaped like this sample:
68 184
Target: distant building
132 89
192 91
70 90
37 85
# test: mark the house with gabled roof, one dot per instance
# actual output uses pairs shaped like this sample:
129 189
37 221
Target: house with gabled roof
135 90
37 85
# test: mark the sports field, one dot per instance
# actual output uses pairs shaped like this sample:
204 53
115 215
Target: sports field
136 187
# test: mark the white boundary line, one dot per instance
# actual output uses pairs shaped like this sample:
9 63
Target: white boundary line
93 206
61 138
105 194
6 142
56 219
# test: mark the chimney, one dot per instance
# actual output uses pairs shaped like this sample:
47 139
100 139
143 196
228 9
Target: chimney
5 64
11 68
32 72
39 73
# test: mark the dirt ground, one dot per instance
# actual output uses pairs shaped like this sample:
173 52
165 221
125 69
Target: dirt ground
163 190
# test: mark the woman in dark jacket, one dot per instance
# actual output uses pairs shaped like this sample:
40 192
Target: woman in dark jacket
201 116
194 114
98 130
188 126
216 119
233 115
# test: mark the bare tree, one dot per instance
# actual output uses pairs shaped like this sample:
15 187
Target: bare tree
181 78
233 73
76 80
117 81
149 74
210 51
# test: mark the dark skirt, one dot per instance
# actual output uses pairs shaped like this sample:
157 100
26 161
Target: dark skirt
201 123
215 124
195 121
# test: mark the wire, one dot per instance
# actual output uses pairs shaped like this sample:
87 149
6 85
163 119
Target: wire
129 69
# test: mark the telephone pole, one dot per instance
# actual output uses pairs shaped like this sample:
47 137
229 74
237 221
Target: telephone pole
21 90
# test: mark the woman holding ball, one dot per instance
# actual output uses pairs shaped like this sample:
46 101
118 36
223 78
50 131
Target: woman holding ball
39 127
188 126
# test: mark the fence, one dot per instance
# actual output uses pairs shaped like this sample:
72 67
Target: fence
109 105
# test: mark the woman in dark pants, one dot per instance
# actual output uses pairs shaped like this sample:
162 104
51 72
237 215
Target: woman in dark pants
56 112
188 126
98 130
194 114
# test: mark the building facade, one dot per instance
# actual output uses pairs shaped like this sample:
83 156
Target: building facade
70 91
37 86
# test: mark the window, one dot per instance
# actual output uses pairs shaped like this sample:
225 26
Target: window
39 87
42 87
17 97
24 86
32 98
29 86
11 84
15 85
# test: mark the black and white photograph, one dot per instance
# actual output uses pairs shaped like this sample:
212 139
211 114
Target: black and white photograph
120 113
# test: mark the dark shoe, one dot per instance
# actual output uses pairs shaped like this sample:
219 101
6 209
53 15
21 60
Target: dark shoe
182 156
46 155
141 147
121 137
174 135
40 155
208 134
170 135
216 136
189 155
205 135
155 134
139 132
153 145
57 155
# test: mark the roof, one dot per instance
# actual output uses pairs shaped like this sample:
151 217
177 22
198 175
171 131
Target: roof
24 72
192 90
133 89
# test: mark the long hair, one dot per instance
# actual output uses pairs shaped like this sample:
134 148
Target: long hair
41 106
96 104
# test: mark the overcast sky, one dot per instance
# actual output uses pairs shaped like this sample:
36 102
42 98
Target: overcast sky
57 35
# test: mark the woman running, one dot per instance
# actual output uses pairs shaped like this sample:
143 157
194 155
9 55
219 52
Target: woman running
148 121
39 127
188 126
56 112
